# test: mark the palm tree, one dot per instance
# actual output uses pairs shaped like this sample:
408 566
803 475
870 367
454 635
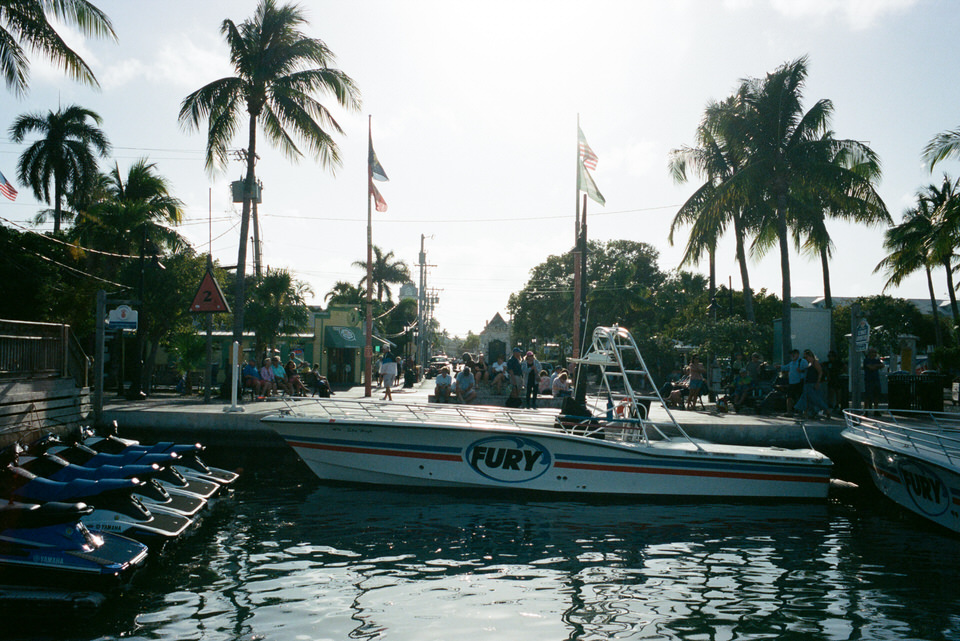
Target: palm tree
851 197
274 85
710 209
385 270
134 212
344 293
944 207
277 303
24 23
134 217
64 158
943 146
910 249
790 158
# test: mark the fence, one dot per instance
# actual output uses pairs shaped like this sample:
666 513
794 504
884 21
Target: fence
41 350
44 379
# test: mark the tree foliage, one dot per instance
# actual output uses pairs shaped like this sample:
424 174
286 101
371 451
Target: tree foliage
782 166
278 72
25 25
386 270
63 161
277 304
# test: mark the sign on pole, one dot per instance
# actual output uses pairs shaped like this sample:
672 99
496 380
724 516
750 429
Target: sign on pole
209 297
862 336
123 317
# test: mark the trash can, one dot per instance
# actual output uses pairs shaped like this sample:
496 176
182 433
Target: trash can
900 392
929 392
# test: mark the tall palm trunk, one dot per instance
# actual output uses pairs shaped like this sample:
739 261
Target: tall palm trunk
953 295
57 201
825 268
744 275
933 307
713 270
248 183
786 325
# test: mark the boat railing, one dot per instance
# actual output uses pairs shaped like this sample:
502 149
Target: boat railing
628 430
414 413
928 433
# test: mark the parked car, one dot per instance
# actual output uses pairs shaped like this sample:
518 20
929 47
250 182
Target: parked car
436 364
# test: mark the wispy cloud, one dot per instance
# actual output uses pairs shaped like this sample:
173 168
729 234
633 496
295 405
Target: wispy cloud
181 62
859 14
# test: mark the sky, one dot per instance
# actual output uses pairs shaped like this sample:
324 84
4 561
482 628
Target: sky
474 110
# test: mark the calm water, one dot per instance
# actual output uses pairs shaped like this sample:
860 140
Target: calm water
289 559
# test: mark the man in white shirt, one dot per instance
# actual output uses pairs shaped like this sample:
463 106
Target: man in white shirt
443 383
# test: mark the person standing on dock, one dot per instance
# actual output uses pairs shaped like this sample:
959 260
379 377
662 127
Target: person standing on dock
696 383
515 371
530 372
811 401
796 369
871 379
833 369
388 369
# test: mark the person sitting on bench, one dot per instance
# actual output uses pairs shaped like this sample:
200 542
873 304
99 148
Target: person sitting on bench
252 380
443 383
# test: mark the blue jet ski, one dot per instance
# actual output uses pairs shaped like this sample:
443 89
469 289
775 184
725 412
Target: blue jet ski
48 545
117 509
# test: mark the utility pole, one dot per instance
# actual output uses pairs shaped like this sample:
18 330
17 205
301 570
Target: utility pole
855 366
422 308
257 269
255 198
136 393
422 313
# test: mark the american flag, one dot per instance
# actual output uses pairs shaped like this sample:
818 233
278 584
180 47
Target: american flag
586 154
6 188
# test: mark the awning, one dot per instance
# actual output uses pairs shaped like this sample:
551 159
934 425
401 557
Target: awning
383 341
343 337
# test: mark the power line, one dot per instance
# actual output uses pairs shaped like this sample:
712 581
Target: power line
60 242
78 271
470 220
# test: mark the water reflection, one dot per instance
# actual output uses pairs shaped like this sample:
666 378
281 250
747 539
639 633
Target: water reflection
306 561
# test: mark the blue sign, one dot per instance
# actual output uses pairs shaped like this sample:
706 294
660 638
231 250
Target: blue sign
862 337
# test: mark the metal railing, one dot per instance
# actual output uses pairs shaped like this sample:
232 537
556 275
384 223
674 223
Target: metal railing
41 350
930 434
410 413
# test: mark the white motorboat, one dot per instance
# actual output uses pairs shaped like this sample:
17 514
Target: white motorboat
622 453
913 458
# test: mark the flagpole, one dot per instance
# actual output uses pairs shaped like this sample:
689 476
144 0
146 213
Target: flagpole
576 264
368 348
580 387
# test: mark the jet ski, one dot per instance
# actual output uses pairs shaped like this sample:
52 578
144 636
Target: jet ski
189 463
48 545
151 491
117 509
80 454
